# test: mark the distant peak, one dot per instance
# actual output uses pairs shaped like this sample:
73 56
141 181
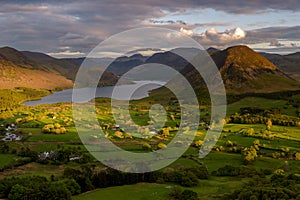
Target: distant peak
243 57
7 48
137 55
211 50
240 47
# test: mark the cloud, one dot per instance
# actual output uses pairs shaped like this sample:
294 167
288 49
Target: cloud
65 54
186 31
8 8
271 33
48 26
167 22
213 37
145 51
276 43
281 40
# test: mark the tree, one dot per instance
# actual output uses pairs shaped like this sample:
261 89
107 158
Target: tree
4 148
63 130
297 155
189 179
161 145
18 192
256 144
229 143
146 146
166 132
269 124
175 193
178 194
249 154
189 195
198 143
72 186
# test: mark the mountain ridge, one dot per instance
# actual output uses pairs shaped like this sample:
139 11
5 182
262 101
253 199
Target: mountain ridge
40 71
243 70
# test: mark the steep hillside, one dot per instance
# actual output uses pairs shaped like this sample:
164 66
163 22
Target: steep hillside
123 64
64 67
290 63
38 70
68 67
245 71
12 76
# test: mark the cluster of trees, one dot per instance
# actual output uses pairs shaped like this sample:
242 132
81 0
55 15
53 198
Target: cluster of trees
54 128
248 118
249 154
90 177
285 95
279 186
10 99
241 171
230 147
37 187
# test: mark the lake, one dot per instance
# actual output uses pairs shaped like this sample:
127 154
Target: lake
137 90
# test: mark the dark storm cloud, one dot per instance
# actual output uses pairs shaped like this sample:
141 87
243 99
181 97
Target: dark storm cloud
46 26
49 26
272 33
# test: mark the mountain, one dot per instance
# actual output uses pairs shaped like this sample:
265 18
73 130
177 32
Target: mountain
64 67
123 64
17 70
212 50
38 70
287 63
172 58
243 71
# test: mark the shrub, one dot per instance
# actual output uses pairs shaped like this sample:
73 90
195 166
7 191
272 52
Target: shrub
188 195
146 146
161 145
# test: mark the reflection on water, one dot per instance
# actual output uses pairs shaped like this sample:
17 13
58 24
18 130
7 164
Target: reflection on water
140 88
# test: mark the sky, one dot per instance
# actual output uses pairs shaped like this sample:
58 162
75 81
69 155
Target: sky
73 28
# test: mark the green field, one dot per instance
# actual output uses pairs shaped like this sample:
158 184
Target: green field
7 159
38 136
277 149
207 189
145 191
261 103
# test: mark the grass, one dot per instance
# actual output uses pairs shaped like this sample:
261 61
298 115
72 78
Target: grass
6 159
261 103
211 188
37 136
69 137
207 189
239 127
215 160
140 191
34 169
286 132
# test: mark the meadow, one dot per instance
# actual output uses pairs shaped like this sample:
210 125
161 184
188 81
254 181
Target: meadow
276 148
